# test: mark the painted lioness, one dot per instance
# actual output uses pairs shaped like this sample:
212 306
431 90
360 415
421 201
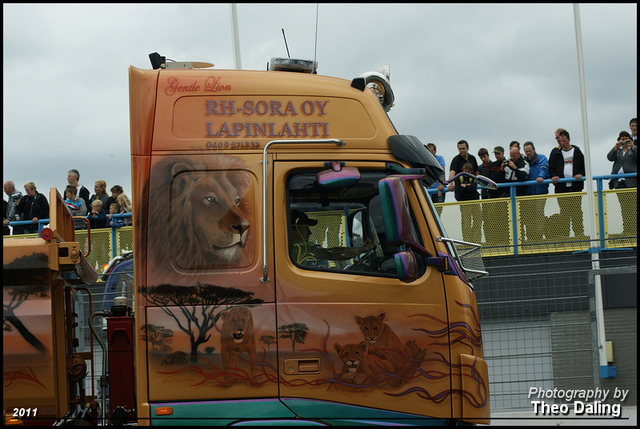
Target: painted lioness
237 336
384 342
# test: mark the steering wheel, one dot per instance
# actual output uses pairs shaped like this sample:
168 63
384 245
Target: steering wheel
361 260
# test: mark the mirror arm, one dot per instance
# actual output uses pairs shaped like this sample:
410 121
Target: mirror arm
414 245
334 165
483 182
440 262
402 170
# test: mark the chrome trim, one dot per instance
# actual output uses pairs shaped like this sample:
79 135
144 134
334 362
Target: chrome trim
458 257
265 269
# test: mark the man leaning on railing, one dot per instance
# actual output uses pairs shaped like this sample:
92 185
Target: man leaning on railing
534 212
567 160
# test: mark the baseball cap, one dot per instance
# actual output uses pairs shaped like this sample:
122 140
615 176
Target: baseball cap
499 149
301 218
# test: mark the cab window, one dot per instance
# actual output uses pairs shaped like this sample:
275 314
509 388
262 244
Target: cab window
340 229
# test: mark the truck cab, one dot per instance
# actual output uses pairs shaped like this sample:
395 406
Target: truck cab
289 264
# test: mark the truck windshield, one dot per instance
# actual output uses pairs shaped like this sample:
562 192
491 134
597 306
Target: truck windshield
340 229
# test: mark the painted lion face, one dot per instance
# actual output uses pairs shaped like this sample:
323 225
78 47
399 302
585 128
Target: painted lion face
199 215
237 324
351 354
371 326
220 226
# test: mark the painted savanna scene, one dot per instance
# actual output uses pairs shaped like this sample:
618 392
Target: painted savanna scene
242 348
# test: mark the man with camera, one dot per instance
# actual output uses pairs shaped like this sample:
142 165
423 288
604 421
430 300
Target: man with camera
10 211
516 169
624 156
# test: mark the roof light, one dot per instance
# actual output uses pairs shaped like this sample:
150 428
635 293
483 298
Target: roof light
379 83
46 234
293 65
160 62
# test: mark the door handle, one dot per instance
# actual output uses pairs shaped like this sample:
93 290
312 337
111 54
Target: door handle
302 366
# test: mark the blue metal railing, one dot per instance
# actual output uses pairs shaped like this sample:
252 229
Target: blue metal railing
43 222
599 195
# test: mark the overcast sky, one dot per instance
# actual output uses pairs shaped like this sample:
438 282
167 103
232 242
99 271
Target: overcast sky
486 73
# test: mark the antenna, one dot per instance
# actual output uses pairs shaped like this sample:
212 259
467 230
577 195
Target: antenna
236 37
285 43
315 49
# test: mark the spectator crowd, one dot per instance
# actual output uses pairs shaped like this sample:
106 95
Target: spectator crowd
565 161
99 208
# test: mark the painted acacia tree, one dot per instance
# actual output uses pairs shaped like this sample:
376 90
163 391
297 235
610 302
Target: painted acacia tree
296 332
268 340
20 294
157 336
195 309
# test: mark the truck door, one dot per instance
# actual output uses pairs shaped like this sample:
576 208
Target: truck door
352 336
204 315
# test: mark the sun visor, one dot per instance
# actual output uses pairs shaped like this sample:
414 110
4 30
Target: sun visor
410 148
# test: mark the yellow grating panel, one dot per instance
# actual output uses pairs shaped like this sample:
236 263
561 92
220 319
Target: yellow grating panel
330 230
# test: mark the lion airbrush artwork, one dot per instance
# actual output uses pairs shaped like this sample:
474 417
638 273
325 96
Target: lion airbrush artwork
201 204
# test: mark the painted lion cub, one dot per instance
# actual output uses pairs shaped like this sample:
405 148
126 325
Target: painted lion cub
360 367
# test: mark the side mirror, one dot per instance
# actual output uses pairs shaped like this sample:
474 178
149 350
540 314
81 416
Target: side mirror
406 265
395 210
338 176
397 224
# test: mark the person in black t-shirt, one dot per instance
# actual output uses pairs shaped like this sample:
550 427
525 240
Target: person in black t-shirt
460 160
470 214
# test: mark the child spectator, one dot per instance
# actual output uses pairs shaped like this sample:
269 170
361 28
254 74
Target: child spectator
76 206
112 221
97 217
125 207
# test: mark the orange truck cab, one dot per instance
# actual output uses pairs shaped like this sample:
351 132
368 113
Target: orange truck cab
289 264
43 376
